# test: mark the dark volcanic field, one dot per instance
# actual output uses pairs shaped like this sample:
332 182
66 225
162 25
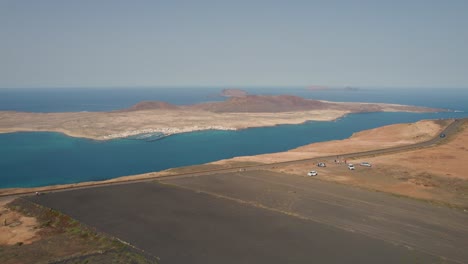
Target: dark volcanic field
265 217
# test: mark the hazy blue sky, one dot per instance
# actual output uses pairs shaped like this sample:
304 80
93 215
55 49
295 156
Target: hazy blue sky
233 43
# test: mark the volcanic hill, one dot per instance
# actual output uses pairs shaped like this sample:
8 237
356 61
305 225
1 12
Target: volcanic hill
276 103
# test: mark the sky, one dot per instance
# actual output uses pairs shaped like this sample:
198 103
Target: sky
99 43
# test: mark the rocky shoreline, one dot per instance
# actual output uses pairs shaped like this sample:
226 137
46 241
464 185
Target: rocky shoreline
166 131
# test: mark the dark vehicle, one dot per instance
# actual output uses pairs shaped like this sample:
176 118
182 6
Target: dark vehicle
442 135
321 164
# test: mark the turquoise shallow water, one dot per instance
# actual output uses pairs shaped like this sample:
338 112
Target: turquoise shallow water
41 158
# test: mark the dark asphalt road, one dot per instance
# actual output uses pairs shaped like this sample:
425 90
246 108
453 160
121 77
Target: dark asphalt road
415 224
265 217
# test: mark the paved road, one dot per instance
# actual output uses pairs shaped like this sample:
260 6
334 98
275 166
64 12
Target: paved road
448 131
414 224
261 217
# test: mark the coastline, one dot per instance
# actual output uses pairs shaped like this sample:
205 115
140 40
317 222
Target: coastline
237 112
113 125
381 137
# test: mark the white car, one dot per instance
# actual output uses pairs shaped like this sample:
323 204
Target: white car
366 164
312 173
351 166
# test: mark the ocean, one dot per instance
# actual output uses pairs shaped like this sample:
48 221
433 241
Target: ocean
30 159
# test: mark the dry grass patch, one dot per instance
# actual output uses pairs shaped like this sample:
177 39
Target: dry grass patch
57 238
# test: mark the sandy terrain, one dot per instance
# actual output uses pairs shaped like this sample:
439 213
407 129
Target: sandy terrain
447 160
108 125
16 227
378 138
47 236
437 174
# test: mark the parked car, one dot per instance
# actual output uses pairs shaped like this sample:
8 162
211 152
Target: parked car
312 173
366 164
321 164
442 135
351 166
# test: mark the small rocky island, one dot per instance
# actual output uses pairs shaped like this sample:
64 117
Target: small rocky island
234 93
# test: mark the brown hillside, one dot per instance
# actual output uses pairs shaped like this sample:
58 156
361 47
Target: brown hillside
148 105
276 104
234 93
262 103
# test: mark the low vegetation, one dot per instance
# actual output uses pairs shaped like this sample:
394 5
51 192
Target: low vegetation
64 240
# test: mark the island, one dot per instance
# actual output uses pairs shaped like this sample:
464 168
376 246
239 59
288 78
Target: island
234 93
236 112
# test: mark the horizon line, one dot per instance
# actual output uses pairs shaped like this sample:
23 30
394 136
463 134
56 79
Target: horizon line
317 87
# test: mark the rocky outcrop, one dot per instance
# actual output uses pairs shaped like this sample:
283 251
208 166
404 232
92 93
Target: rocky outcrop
234 93
149 105
262 104
276 104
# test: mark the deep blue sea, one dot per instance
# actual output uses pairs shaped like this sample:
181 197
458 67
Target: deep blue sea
29 159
